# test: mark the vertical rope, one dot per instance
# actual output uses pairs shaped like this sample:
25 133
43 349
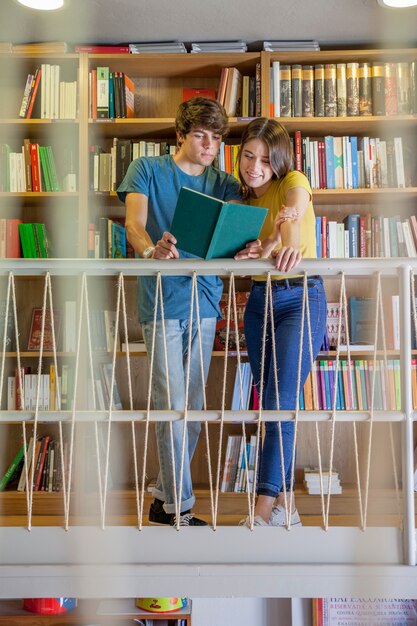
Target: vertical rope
203 387
333 419
261 395
223 404
187 390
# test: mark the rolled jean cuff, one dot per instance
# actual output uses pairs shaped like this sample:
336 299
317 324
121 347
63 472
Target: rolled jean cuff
268 490
186 505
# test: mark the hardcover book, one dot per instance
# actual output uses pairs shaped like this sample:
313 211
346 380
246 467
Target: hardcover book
35 333
213 229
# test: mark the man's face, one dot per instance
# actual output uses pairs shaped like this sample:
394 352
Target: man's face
200 146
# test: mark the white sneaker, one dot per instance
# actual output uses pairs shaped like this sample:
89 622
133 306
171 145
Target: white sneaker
278 517
258 521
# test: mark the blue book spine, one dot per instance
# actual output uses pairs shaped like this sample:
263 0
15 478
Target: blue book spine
328 399
111 96
332 390
318 237
301 400
329 152
354 156
393 236
352 225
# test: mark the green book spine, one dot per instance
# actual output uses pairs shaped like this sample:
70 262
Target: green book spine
52 169
39 234
11 469
45 173
24 240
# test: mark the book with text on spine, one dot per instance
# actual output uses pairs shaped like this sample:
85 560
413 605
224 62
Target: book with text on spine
213 229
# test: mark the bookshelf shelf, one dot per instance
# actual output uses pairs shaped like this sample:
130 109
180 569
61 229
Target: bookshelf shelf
370 124
87 612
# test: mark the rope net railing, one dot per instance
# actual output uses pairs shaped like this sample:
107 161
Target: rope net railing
335 427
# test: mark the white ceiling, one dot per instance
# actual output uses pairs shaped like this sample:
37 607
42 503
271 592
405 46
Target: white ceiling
114 21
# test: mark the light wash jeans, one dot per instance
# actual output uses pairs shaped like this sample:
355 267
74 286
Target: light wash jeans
287 298
176 332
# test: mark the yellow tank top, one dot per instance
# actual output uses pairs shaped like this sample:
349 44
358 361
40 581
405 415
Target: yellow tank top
273 199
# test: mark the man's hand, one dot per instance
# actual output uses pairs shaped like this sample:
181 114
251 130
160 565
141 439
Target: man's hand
286 258
165 247
252 250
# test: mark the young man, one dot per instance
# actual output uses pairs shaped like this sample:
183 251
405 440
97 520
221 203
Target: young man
150 190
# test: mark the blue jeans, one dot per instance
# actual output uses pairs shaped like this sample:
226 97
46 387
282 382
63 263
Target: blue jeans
287 297
176 332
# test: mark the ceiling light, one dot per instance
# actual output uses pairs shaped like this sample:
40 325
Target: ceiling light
42 5
397 4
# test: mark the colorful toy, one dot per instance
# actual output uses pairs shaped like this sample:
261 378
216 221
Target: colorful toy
49 606
161 605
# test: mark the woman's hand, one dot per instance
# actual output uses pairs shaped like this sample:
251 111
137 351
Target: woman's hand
252 250
286 258
287 213
165 248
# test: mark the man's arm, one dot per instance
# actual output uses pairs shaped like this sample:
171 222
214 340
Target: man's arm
137 235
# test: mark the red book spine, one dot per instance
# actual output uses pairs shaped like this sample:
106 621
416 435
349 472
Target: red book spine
103 49
34 158
34 92
362 236
42 454
297 151
324 237
322 161
13 250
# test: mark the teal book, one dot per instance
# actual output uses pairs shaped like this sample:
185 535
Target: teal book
213 229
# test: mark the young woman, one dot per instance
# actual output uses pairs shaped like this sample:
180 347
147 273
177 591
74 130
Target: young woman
265 167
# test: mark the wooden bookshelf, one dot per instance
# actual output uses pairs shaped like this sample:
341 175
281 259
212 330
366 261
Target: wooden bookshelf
159 80
100 612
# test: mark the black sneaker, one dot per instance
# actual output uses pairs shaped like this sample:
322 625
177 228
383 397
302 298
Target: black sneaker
158 516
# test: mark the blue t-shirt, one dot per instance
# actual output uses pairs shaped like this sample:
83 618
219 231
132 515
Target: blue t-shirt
160 179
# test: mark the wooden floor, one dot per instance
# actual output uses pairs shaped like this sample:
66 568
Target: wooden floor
383 509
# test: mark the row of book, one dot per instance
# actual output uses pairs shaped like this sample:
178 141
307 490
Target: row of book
354 393
43 389
371 236
112 94
31 169
361 320
343 89
34 240
238 453
107 240
45 96
352 162
240 95
43 460
107 169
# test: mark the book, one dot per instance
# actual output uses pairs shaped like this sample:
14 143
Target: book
213 229
34 340
361 320
203 92
12 469
358 612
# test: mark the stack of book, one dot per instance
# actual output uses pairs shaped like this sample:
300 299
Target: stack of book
328 483
219 46
283 45
166 47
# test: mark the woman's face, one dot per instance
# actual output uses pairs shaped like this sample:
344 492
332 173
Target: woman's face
255 167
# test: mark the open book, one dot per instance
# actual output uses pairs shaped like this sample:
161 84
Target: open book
214 229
